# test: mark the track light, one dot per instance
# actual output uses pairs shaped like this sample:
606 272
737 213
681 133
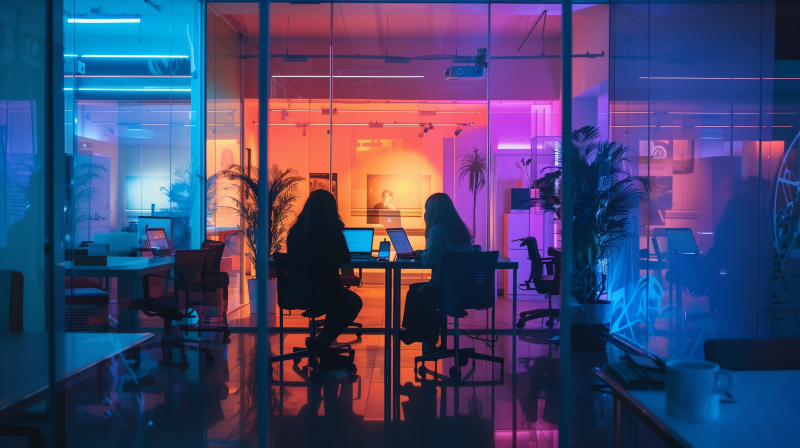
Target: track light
458 131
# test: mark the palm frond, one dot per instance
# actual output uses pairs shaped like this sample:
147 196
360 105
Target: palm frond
604 197
283 190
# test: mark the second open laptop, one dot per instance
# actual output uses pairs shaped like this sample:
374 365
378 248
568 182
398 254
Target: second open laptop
401 243
159 243
359 242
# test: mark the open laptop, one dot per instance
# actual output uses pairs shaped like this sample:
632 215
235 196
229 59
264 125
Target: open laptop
681 240
401 244
359 242
159 243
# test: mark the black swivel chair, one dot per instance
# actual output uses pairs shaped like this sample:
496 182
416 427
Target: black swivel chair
754 354
548 285
213 280
173 303
302 286
468 283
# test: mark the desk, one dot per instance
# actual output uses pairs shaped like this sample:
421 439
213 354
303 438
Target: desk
25 362
129 271
765 413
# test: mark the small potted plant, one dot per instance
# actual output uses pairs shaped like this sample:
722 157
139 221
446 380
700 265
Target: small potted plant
604 197
283 192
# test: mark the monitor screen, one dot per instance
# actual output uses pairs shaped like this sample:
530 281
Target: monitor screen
359 240
158 239
682 241
400 241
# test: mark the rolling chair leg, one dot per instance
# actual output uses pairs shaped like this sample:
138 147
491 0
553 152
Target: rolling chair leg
549 313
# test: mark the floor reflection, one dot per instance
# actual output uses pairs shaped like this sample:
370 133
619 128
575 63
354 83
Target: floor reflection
213 405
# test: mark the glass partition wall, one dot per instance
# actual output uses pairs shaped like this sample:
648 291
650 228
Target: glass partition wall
697 94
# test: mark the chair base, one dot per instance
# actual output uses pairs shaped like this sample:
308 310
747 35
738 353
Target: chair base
300 353
549 313
461 356
464 355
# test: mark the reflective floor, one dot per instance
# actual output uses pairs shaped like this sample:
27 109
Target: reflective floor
213 405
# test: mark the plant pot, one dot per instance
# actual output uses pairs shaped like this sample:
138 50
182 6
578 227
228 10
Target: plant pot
590 325
272 295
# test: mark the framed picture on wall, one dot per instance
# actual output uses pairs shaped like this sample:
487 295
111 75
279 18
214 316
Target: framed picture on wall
320 181
660 199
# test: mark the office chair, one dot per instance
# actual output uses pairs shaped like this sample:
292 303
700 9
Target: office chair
548 285
754 354
468 283
302 286
173 303
213 280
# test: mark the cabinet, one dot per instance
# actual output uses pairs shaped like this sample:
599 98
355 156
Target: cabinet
537 224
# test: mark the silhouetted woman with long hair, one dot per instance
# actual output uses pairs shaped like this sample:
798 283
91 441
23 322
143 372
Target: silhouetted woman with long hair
444 232
318 231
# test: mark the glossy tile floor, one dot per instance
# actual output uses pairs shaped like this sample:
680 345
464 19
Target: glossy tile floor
212 405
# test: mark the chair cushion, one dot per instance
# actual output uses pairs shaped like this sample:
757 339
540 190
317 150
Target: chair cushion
349 280
312 313
85 296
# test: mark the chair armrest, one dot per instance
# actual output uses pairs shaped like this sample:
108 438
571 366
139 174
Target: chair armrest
146 287
549 264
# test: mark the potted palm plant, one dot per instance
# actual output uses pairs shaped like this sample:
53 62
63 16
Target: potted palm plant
181 194
473 166
283 192
604 197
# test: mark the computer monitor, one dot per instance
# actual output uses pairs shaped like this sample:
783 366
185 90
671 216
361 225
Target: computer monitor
400 241
157 237
682 241
359 241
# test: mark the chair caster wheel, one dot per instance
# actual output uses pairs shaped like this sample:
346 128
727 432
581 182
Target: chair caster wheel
296 361
455 374
209 359
358 334
184 366
464 361
520 325
316 378
423 370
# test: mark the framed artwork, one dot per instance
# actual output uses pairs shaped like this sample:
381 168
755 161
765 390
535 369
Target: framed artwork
320 181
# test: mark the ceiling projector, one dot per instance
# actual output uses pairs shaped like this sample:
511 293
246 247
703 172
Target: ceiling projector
464 72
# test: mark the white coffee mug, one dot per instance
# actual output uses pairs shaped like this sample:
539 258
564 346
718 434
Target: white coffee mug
693 389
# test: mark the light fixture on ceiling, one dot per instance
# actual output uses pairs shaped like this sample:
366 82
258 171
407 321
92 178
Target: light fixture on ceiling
105 18
146 56
458 130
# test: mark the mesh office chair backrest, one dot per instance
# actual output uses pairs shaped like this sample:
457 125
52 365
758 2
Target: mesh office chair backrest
303 281
553 286
215 251
468 281
189 267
